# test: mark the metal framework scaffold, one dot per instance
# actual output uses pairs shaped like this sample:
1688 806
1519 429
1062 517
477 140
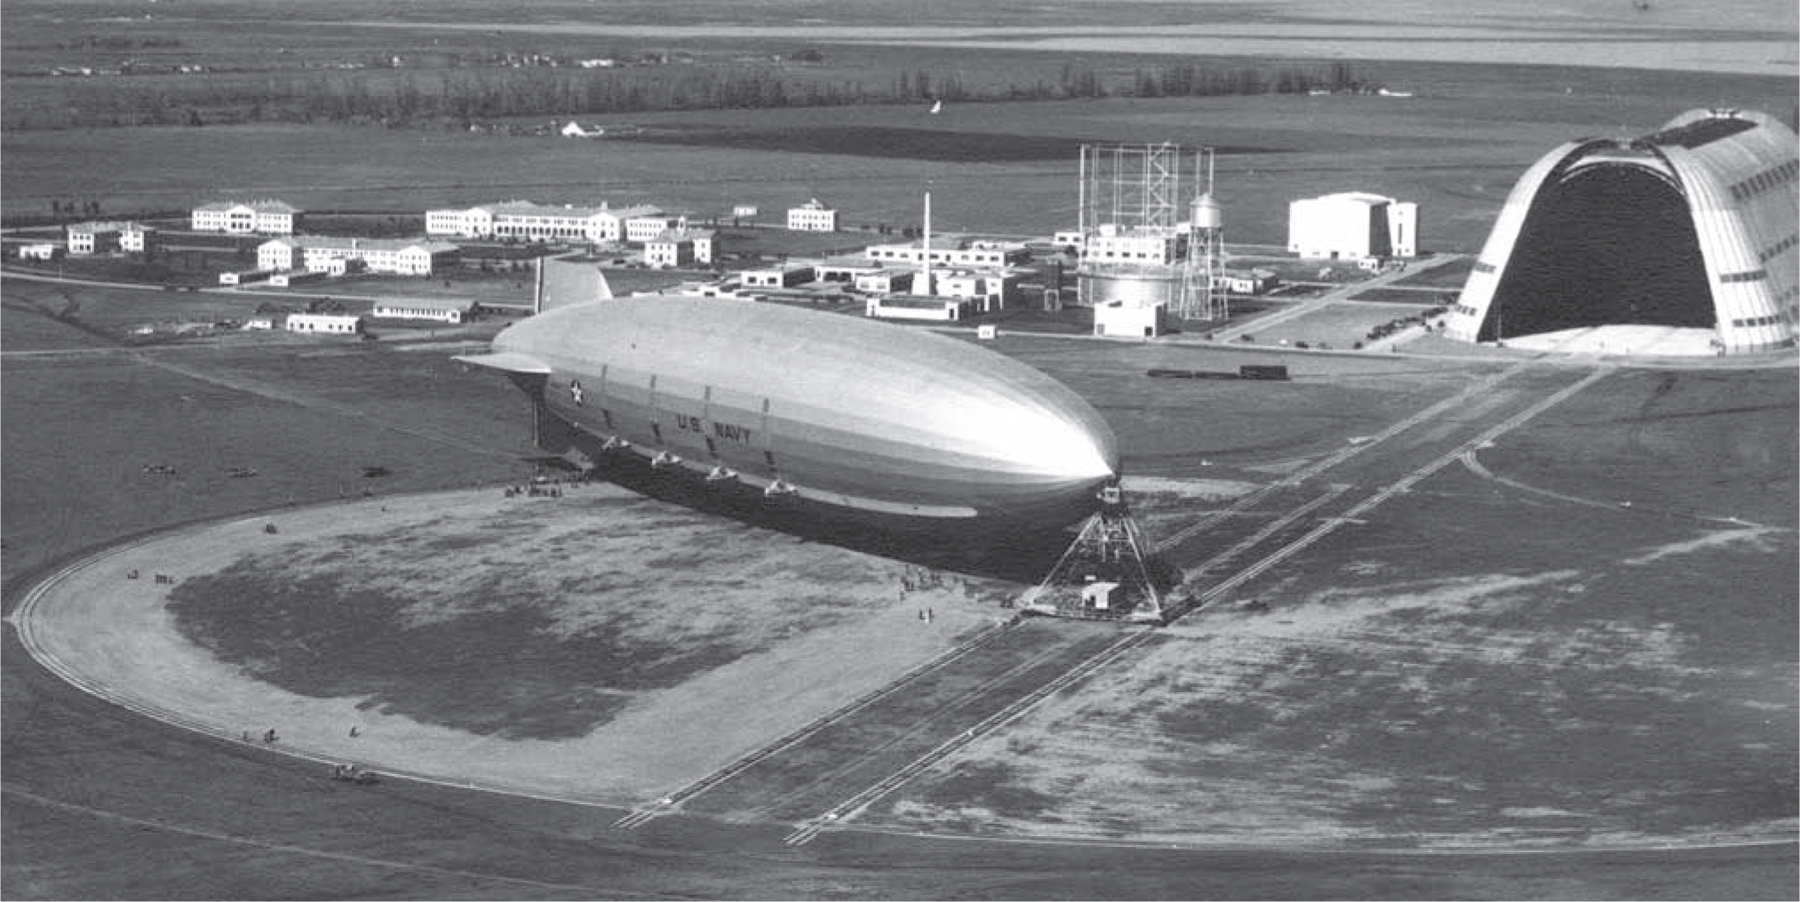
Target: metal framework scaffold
1105 574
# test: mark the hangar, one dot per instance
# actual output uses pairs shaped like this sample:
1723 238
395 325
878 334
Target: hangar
1690 229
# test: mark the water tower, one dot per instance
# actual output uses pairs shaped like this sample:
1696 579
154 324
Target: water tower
1201 296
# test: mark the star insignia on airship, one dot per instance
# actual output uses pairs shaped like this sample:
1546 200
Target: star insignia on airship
575 391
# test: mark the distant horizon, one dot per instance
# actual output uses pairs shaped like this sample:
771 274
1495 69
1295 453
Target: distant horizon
1738 39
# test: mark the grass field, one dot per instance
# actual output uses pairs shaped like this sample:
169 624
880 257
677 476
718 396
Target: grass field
1456 151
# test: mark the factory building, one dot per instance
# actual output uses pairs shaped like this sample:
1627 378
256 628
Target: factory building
263 217
812 216
1353 226
1692 229
107 237
336 255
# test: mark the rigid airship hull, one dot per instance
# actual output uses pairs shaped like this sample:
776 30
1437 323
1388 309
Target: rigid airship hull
843 412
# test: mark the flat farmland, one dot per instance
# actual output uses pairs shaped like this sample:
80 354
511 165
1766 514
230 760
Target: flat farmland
1456 149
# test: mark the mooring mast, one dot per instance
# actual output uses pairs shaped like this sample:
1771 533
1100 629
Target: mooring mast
1105 573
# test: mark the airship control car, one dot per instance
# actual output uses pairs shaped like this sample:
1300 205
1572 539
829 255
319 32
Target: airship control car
852 414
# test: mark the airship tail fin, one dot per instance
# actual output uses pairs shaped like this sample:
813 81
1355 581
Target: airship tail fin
506 362
549 432
602 291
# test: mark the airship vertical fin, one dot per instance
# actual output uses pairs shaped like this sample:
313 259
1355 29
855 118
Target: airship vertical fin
549 432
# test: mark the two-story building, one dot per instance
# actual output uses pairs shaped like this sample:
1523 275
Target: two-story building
679 247
263 217
528 221
812 216
107 237
337 255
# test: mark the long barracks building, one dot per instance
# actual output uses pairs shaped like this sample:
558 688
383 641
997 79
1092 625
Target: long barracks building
542 222
1692 227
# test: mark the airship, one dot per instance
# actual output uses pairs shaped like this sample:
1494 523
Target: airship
849 415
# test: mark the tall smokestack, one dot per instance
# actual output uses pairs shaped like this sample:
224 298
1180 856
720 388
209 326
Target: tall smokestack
537 288
927 290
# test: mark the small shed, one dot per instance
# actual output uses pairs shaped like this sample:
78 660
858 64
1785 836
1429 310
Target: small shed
1099 596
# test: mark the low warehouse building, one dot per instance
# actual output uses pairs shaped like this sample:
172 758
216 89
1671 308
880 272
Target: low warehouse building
1693 227
1123 319
325 323
439 311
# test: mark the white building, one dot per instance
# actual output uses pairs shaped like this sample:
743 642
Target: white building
812 216
325 323
290 278
106 237
950 250
1353 226
886 281
441 311
679 247
917 307
337 255
263 217
1121 319
41 250
1110 244
245 277
785 276
643 224
529 221
989 291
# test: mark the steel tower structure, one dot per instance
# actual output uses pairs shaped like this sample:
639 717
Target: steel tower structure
1202 298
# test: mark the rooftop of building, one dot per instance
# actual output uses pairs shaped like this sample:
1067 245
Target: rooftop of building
367 244
1700 132
259 206
109 226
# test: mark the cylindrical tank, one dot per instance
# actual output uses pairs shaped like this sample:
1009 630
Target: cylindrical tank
1207 214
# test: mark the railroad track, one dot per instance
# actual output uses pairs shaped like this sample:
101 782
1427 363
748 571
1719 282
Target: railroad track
854 805
669 803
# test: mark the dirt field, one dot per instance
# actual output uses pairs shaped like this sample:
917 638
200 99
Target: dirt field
1469 671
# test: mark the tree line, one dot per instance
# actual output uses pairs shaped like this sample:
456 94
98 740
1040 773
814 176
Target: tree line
466 96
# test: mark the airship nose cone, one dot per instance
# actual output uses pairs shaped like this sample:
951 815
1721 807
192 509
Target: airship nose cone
1054 442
